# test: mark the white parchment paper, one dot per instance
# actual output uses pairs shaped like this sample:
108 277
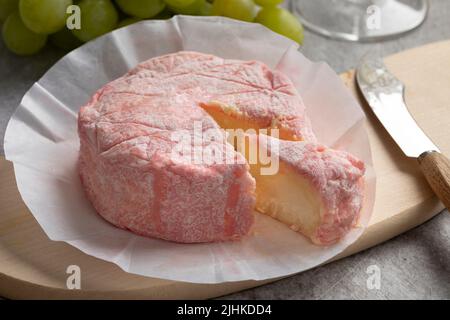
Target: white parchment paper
41 140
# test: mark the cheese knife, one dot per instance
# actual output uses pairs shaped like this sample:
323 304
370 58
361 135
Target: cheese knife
385 95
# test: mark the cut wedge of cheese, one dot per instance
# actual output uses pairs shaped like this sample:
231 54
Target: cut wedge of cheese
311 188
316 190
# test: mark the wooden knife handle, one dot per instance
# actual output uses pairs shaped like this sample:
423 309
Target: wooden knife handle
436 168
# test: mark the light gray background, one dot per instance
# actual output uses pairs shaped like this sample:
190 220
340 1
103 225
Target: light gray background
415 265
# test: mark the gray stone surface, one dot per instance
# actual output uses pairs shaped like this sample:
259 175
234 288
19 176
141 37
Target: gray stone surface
415 265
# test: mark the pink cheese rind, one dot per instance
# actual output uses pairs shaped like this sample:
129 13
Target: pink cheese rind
137 185
260 94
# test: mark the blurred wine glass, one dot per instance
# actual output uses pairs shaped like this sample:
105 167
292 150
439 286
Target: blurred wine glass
360 20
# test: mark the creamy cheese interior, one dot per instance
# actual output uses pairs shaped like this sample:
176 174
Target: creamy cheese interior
287 197
228 117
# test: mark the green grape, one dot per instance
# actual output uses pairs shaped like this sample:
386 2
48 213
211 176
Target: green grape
179 3
163 15
190 7
44 16
141 8
128 21
282 22
237 9
65 40
206 10
97 18
268 3
19 39
7 7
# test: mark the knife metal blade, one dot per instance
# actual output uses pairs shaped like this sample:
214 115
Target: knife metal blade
385 95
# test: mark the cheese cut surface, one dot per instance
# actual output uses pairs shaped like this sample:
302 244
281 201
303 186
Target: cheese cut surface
317 191
230 117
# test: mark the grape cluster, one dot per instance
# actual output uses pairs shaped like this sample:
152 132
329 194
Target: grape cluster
27 25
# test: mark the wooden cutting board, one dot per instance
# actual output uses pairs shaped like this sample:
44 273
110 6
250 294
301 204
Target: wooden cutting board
32 266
